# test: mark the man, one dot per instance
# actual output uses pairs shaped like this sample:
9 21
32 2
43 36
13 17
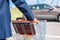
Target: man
5 17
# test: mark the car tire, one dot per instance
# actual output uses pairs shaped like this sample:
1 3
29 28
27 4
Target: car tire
58 18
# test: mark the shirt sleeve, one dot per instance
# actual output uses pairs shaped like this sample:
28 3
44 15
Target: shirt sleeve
23 7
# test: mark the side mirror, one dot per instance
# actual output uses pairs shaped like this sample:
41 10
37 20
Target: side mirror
50 9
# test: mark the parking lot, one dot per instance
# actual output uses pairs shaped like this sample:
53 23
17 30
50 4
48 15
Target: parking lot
53 29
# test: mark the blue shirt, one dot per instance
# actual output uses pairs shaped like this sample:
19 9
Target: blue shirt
5 16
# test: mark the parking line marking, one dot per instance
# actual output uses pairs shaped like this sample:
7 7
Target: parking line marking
52 36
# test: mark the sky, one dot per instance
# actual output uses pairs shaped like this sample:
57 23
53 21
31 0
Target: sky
30 2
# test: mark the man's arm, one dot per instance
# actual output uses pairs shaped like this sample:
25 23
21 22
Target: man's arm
23 7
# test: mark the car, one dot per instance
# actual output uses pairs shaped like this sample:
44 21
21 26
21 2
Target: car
45 11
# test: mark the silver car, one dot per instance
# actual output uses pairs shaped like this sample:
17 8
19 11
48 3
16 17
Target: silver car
45 11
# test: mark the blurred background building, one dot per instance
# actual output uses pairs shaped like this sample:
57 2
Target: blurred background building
31 2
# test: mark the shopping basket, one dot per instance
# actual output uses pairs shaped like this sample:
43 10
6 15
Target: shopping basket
33 31
24 27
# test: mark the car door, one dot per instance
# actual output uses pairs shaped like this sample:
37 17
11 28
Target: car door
36 11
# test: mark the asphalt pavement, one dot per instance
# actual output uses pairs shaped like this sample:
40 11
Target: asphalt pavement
53 30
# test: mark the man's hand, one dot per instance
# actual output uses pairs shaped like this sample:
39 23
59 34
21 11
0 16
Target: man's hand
35 21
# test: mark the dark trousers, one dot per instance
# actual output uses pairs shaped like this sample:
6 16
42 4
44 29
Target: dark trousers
2 39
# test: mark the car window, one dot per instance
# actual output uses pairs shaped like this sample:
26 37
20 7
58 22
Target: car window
47 7
37 7
41 7
33 7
